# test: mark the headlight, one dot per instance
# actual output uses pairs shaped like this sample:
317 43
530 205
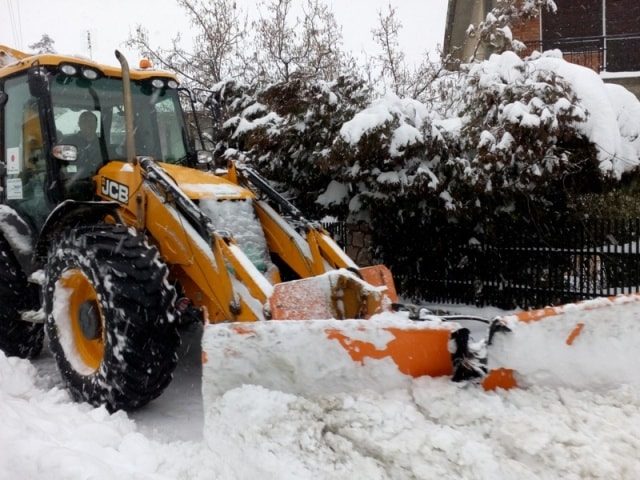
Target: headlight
172 84
157 83
89 74
68 69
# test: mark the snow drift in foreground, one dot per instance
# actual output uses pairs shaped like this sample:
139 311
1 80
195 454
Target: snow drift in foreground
432 429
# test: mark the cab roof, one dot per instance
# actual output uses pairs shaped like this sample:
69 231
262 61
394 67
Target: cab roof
14 61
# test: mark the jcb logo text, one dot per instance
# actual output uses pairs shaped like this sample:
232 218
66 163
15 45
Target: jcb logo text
115 190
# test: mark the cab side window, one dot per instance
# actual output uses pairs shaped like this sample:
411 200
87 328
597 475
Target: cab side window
24 154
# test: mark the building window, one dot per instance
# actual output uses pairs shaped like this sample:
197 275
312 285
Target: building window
623 35
579 31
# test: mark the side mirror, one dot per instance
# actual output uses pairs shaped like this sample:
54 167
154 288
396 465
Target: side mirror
38 84
204 159
67 153
3 99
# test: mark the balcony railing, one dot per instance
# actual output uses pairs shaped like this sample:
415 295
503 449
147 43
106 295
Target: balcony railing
611 53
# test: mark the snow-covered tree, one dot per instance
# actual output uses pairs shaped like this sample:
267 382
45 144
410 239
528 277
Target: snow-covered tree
520 144
288 130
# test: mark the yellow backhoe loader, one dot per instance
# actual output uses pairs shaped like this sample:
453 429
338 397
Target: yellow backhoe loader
115 231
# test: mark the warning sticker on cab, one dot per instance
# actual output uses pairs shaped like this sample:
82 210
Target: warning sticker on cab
14 189
13 161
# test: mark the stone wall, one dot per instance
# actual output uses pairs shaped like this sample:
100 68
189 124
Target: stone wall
359 243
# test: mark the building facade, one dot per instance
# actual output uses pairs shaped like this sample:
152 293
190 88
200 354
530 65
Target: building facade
603 35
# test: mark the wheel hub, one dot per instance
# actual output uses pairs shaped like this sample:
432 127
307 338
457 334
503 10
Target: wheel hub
86 321
89 320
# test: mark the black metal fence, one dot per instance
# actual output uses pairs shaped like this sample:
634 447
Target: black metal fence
530 269
338 231
613 53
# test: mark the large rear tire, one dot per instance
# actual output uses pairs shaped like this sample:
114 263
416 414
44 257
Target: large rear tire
17 337
110 316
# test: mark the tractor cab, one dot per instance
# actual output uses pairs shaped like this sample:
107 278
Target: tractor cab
63 119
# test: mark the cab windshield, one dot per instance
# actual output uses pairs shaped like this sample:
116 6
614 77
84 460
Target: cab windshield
90 115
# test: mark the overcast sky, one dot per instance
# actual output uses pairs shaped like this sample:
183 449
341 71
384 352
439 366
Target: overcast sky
111 21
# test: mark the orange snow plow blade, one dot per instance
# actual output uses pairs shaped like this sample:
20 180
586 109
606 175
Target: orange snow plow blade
414 352
380 276
311 357
573 346
333 333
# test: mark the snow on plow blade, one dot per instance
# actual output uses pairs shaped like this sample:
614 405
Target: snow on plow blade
311 357
590 345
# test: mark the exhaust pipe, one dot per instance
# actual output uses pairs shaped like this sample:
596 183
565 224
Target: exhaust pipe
128 108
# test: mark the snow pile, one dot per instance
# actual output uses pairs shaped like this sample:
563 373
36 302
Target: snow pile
434 430
45 435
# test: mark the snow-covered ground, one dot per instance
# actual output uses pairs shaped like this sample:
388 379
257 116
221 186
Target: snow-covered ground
432 429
